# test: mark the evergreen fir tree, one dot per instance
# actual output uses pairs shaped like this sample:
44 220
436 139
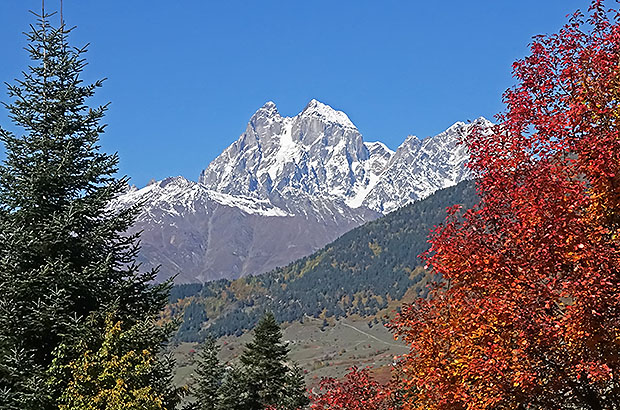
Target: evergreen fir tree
63 254
295 396
21 386
234 393
264 360
209 375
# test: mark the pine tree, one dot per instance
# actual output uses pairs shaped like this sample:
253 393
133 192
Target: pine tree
63 254
209 375
269 377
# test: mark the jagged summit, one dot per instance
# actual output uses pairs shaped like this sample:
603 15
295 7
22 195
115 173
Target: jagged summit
268 110
411 140
377 145
419 167
317 152
464 127
324 112
314 109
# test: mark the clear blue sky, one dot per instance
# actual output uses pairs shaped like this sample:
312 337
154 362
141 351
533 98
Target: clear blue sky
185 76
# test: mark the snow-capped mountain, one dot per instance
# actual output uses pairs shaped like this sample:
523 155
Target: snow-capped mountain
285 188
317 152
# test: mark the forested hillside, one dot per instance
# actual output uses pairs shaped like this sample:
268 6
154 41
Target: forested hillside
358 274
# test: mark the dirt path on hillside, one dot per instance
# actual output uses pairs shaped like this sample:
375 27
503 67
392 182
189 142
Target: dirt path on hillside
374 337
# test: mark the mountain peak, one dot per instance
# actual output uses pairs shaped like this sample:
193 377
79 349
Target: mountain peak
480 122
378 146
456 125
179 181
317 109
286 187
268 110
269 105
411 141
464 129
483 122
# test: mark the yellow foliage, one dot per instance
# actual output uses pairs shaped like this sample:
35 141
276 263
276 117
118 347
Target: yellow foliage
375 248
112 379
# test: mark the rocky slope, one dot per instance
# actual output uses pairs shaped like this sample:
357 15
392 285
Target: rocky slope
198 234
420 167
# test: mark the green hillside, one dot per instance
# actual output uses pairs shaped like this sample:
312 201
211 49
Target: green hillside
361 273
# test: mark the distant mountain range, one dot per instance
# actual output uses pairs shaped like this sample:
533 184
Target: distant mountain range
285 188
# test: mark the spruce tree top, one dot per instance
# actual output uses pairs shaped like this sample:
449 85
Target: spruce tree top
56 161
267 346
264 361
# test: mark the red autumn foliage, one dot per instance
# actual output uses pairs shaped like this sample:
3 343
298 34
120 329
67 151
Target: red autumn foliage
528 312
357 391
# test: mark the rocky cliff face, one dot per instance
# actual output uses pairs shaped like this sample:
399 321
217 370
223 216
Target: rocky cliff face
318 152
285 188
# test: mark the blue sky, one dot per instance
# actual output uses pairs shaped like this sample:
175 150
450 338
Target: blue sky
185 76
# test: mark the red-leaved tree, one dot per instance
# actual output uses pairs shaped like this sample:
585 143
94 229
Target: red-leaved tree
357 391
528 312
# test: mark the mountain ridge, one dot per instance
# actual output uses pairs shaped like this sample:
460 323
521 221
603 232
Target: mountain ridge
320 152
